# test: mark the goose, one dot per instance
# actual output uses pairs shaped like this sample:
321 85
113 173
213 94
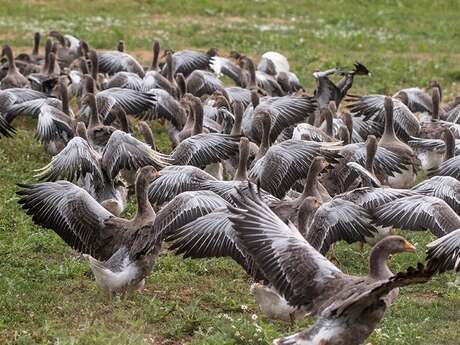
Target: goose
121 252
147 134
378 160
99 172
317 286
224 67
186 61
200 83
417 100
372 107
450 164
111 62
284 112
443 254
390 141
432 152
46 80
432 129
285 163
13 78
261 81
326 91
153 79
131 101
67 51
443 187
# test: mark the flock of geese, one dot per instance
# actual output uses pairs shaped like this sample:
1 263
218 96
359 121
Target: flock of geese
260 172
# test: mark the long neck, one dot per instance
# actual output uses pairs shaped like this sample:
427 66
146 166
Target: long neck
265 142
147 134
144 208
121 115
181 84
329 121
254 99
242 170
435 100
198 114
169 67
84 66
64 98
36 47
378 268
94 116
52 62
311 183
48 46
81 131
94 64
238 113
449 140
252 73
371 149
156 53
389 131
304 218
9 55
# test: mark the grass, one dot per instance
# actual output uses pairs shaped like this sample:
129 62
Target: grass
48 294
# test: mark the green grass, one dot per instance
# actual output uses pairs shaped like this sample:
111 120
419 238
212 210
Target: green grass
48 294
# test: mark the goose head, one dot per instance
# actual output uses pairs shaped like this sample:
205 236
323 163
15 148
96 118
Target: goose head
238 110
121 46
382 251
306 212
317 165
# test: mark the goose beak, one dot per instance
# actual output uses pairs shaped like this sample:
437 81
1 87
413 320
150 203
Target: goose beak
409 247
156 174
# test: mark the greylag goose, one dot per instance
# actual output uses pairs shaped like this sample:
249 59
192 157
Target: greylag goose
326 91
67 51
372 107
223 66
432 152
443 187
376 159
200 83
317 286
111 62
45 81
390 141
153 79
417 100
13 78
186 61
285 163
451 163
121 252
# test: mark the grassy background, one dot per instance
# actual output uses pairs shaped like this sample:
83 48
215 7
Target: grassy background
48 294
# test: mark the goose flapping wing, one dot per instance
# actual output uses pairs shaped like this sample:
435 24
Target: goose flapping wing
443 254
286 259
418 212
123 151
443 187
130 101
450 167
418 100
203 83
206 148
5 129
339 220
371 107
76 160
366 177
126 80
285 163
185 208
223 66
176 179
68 210
370 197
53 124
289 111
186 61
111 62
326 90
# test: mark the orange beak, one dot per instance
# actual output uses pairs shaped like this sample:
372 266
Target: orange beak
409 247
156 174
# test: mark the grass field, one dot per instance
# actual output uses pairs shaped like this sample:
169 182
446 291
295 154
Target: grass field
47 292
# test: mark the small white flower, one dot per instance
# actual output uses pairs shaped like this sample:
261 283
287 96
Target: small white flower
254 317
244 307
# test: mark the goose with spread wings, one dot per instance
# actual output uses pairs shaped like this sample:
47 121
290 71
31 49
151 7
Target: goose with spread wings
348 307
